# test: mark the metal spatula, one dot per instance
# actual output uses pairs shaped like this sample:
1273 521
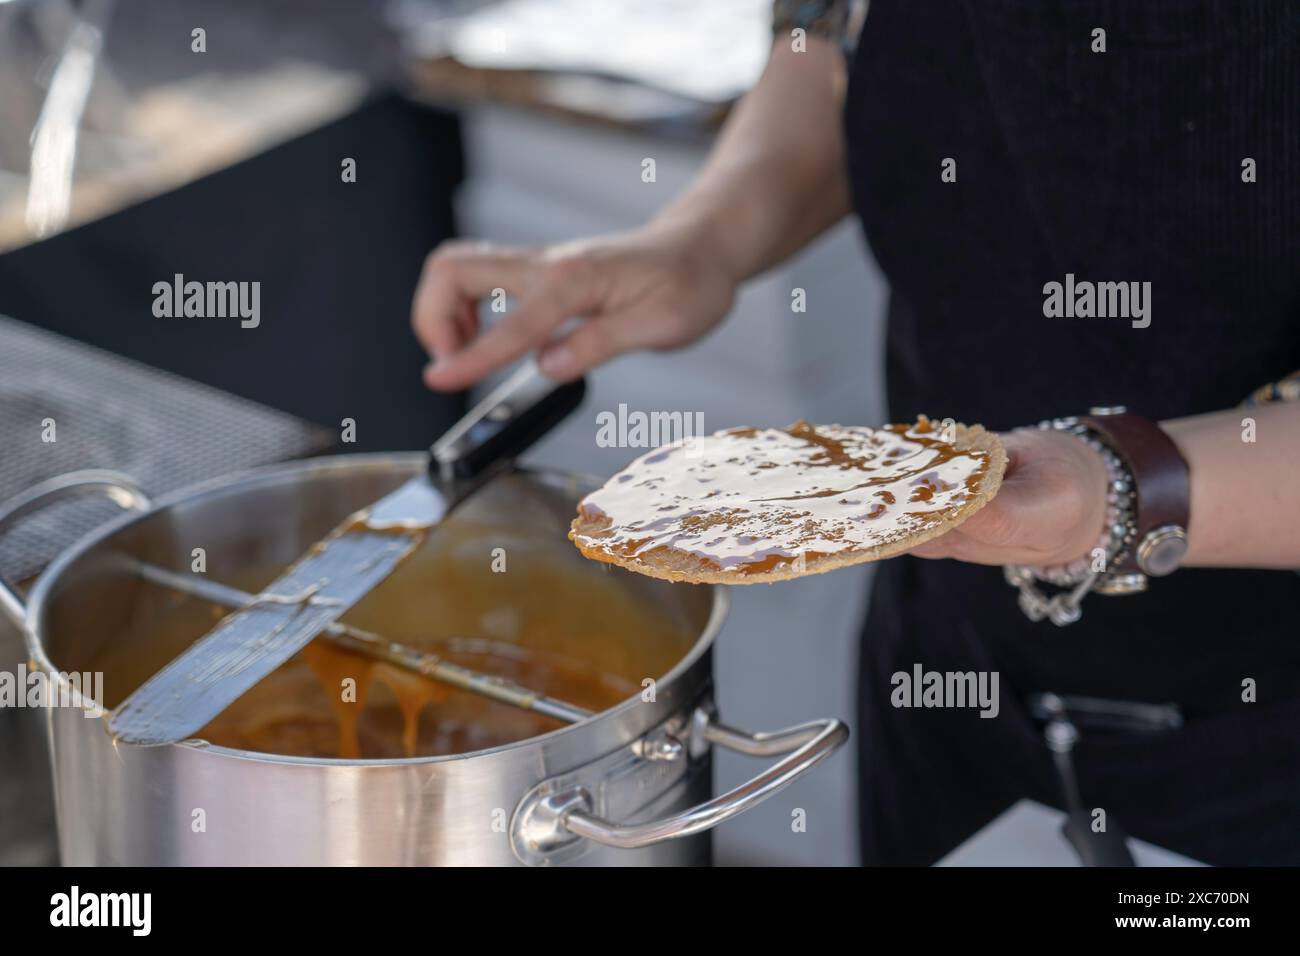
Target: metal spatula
348 564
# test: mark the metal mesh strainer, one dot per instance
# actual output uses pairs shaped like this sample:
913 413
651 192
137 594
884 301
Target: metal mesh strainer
110 412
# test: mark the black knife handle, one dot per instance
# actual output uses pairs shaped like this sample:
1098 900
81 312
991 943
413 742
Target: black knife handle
1107 848
515 415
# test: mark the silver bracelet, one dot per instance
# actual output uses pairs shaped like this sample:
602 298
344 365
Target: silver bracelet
1088 573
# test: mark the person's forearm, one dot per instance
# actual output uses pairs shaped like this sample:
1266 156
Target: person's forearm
775 179
1245 507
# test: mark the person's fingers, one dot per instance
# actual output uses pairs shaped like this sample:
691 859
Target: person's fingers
467 322
987 537
995 533
962 547
454 278
1029 522
557 293
602 338
1000 524
1049 509
940 547
463 330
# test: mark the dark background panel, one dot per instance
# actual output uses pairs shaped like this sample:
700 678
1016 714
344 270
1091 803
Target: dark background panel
337 264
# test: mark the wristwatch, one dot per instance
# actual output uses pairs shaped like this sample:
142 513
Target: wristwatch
1148 497
1161 484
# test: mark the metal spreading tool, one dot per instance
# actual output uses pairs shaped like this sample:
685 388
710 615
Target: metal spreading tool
339 571
377 646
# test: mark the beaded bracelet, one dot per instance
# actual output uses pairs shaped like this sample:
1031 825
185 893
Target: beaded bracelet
1090 571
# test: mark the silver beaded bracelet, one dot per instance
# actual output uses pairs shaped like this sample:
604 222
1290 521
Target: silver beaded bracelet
1088 573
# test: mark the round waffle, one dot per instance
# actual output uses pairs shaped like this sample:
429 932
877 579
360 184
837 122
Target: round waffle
751 505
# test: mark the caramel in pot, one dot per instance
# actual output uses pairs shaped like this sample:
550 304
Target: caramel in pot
568 632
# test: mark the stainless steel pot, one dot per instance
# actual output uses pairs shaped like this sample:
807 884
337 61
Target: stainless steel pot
630 785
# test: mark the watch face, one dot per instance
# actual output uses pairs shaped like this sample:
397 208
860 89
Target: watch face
1162 550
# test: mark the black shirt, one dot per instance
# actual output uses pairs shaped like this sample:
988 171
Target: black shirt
1122 166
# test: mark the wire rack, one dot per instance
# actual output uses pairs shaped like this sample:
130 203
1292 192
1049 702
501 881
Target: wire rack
104 411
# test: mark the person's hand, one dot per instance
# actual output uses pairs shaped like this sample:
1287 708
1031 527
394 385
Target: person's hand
1050 509
656 287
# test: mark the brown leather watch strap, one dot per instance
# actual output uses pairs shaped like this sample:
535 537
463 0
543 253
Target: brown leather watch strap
1162 484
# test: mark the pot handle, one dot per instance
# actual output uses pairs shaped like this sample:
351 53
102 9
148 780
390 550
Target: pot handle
560 816
120 489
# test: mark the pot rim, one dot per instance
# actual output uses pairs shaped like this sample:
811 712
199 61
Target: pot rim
41 590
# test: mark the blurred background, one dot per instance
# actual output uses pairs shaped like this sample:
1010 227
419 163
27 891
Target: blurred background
126 156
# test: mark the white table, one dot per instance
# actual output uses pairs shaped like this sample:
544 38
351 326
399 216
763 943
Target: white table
1029 834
